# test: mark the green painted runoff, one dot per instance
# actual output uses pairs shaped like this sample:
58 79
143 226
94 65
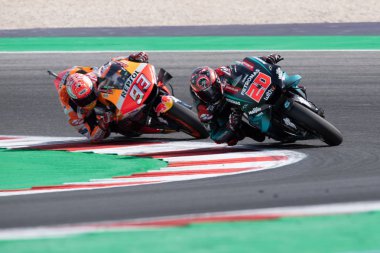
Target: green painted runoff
327 234
187 43
26 168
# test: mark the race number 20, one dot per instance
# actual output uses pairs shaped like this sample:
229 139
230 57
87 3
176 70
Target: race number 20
258 87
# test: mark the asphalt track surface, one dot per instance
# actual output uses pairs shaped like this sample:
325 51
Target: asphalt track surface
345 84
363 28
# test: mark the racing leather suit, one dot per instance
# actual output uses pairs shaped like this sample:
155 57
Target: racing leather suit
216 117
83 120
94 124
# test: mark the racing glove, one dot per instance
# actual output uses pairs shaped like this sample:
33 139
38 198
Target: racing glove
139 57
98 134
273 58
234 120
105 119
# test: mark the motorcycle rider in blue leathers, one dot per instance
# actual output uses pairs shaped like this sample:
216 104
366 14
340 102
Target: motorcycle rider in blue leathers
221 118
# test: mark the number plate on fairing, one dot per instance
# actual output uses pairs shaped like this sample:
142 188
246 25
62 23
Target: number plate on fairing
256 84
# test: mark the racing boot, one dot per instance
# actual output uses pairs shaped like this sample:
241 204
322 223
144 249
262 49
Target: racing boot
252 132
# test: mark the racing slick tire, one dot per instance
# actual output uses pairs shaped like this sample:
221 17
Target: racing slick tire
187 121
315 124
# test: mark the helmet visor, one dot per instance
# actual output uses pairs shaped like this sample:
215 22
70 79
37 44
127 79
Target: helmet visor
90 106
211 94
89 100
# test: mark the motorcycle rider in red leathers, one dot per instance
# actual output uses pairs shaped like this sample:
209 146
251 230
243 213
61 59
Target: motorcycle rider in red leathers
223 122
78 89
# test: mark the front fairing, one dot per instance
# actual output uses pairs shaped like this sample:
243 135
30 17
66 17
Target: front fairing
291 81
128 87
256 84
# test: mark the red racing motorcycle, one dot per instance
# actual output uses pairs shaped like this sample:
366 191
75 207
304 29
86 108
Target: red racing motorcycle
142 102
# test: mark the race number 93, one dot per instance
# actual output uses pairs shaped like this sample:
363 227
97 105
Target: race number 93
258 87
137 91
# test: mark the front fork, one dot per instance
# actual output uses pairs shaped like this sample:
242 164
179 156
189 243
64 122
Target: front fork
288 103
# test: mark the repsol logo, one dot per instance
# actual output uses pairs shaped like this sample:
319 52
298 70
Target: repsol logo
128 83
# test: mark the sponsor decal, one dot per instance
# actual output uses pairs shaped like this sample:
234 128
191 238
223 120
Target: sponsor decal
226 70
248 81
286 104
128 83
231 89
303 101
269 93
289 123
280 74
255 110
165 105
244 107
125 75
250 66
233 101
244 78
205 117
83 131
77 122
134 92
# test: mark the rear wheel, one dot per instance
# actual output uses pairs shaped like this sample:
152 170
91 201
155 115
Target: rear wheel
315 124
186 120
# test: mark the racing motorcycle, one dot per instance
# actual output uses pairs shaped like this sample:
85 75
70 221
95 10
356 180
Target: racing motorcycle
273 103
142 102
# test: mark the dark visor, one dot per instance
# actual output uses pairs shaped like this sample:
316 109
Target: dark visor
209 95
86 101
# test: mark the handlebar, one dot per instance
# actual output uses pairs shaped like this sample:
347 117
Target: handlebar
51 73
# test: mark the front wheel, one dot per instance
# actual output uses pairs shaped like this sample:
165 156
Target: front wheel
186 120
315 124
